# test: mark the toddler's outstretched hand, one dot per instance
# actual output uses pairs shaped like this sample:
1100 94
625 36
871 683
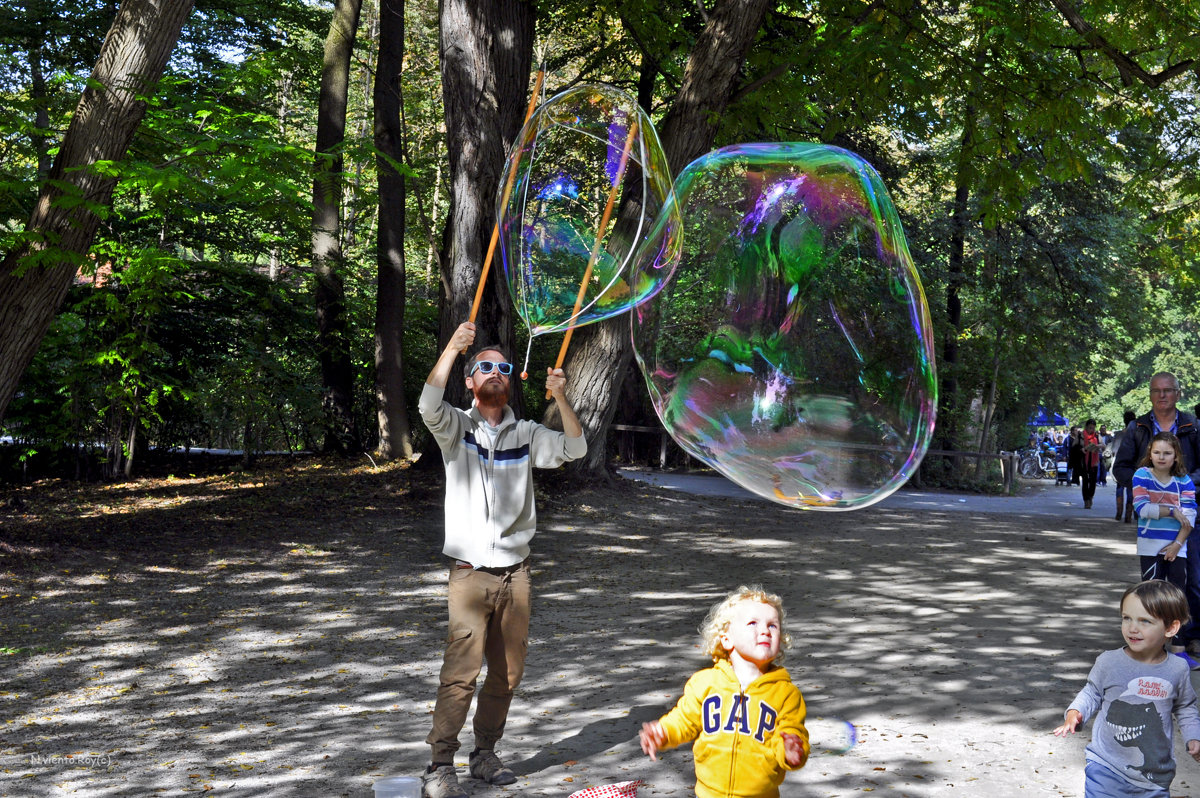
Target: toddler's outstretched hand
793 749
1072 723
1193 747
652 738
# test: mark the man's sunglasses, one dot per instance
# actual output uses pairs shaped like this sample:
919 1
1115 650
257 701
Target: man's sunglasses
486 366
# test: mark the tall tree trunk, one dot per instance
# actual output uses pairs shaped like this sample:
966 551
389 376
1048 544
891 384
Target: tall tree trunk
991 256
948 413
249 443
433 217
333 339
35 277
601 352
395 436
41 114
433 209
950 403
487 51
286 83
130 451
355 212
989 406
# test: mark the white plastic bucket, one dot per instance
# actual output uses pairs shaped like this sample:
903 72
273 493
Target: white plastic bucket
398 787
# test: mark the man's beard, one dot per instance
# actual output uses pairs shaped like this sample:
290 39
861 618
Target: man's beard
493 393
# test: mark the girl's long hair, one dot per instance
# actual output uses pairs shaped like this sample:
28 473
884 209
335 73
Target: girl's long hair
1178 468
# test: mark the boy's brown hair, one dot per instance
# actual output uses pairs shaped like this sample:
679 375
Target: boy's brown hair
1161 599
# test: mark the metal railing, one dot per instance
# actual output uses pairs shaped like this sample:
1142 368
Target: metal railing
1009 461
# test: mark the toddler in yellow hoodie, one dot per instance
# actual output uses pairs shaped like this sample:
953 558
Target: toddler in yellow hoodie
744 713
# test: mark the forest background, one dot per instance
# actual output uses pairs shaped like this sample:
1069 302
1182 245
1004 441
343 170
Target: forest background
252 225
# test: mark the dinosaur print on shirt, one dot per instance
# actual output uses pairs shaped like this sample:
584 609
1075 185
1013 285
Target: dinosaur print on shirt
1140 726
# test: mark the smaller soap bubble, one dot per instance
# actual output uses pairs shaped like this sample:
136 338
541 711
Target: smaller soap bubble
831 735
791 349
573 152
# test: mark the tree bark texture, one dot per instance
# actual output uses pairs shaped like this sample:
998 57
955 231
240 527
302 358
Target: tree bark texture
35 277
991 237
949 417
333 340
395 435
487 52
955 279
600 353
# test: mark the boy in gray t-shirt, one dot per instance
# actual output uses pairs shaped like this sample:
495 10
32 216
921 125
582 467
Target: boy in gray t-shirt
1133 692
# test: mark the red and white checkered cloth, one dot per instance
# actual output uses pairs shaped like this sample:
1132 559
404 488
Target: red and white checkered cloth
624 789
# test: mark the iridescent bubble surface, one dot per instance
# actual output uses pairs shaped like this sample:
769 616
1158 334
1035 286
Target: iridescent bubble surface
579 150
792 349
831 735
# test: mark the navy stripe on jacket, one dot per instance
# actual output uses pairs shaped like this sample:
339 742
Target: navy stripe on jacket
502 456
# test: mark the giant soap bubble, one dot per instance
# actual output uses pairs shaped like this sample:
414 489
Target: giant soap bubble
791 349
581 150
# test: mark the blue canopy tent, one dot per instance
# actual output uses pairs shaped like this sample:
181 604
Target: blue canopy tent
1044 419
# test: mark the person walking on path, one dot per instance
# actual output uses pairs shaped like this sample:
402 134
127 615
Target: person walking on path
1124 490
1074 451
1133 693
1105 456
489 458
1090 461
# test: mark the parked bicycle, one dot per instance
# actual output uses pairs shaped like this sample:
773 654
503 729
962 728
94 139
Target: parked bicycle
1037 463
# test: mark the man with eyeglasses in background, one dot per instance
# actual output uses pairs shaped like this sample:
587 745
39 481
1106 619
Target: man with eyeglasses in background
1163 417
490 519
1166 417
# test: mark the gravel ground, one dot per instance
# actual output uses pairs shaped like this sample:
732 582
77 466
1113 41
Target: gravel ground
290 646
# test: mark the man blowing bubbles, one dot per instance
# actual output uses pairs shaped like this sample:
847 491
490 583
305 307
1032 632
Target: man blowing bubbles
490 519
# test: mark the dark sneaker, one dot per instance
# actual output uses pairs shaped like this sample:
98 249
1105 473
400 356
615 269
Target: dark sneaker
442 783
486 766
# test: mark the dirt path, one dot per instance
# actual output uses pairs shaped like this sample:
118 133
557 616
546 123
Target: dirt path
264 639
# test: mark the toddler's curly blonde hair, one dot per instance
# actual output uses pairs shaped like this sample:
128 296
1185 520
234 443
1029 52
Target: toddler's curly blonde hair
716 623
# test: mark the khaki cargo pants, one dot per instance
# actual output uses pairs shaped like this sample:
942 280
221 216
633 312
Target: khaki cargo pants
489 620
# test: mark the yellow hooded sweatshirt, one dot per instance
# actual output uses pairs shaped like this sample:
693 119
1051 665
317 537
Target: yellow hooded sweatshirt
739 748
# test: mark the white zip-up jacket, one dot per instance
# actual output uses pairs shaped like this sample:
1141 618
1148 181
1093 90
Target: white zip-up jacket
490 514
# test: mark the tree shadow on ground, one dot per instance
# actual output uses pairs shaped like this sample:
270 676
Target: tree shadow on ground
281 635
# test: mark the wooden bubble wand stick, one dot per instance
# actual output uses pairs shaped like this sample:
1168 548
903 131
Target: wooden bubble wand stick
508 184
587 274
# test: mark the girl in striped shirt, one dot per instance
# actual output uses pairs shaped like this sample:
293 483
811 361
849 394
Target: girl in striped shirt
1164 499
